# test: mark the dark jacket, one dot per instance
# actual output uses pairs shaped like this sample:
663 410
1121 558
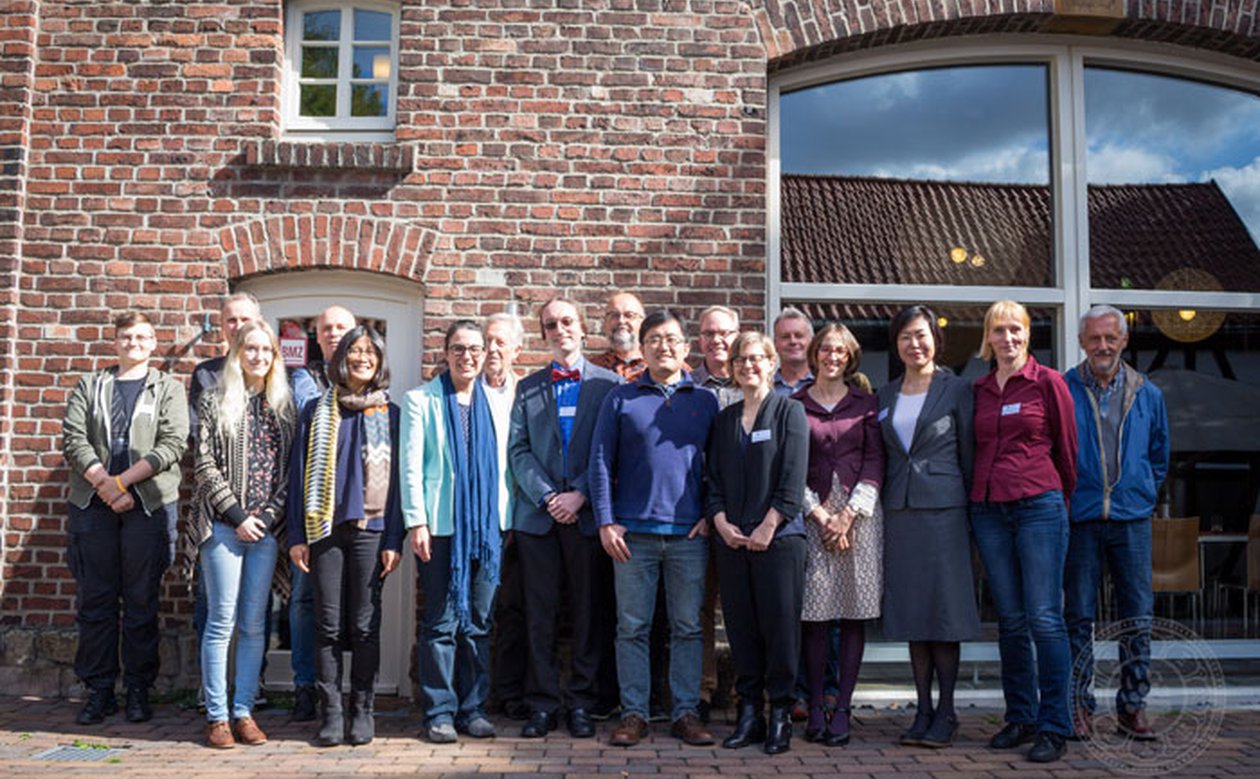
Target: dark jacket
746 480
936 472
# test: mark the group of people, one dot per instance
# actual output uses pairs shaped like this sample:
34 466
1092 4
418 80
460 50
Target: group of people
622 491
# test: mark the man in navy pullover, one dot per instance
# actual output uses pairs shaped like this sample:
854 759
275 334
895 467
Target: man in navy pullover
646 480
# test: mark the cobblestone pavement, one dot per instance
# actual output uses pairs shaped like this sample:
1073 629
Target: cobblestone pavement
171 746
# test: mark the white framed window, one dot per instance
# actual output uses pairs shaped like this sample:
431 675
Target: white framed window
341 70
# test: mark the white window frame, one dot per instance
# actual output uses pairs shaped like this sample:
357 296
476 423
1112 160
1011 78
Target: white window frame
1065 58
342 127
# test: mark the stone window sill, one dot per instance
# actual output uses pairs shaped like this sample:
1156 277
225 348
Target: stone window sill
346 155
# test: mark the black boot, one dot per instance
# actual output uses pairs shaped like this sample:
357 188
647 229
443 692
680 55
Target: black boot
138 708
779 737
750 728
100 703
332 726
362 724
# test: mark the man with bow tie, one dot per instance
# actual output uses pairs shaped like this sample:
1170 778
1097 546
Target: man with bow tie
553 419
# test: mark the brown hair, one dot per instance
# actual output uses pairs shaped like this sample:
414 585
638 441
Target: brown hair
130 319
581 314
846 339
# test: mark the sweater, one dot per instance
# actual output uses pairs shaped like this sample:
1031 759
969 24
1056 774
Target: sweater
647 456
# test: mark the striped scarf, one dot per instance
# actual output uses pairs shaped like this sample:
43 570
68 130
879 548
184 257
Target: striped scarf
320 479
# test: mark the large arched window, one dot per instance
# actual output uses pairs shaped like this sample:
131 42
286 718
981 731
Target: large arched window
1062 174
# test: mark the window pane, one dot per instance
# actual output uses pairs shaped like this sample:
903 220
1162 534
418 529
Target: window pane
318 100
1174 183
372 25
319 62
371 62
961 327
321 26
925 177
369 100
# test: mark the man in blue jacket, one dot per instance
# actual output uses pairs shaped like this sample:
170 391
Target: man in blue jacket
646 476
1122 428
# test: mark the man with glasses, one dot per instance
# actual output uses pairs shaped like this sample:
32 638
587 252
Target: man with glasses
646 477
553 418
622 316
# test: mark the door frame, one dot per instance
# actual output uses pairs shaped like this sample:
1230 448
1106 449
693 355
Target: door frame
400 303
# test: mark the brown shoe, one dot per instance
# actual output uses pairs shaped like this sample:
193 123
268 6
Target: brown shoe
219 735
1082 724
248 732
1135 726
631 731
691 731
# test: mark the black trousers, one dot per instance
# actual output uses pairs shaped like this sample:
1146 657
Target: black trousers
562 555
346 573
117 561
510 645
761 600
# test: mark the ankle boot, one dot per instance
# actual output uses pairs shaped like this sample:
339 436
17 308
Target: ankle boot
362 724
332 725
779 736
749 728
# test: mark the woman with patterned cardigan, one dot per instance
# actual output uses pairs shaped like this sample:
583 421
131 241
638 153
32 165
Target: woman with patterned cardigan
246 433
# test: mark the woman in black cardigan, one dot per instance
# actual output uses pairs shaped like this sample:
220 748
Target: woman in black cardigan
757 461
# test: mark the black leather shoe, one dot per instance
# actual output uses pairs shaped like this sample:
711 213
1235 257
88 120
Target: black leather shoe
539 725
580 724
941 733
914 736
305 707
750 728
779 733
99 705
838 728
1013 735
1048 748
138 708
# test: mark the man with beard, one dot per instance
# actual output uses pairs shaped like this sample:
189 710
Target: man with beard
1122 429
622 317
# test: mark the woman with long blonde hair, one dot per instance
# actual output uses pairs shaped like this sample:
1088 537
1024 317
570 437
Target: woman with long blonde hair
246 432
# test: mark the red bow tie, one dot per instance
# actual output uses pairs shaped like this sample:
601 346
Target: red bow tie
559 375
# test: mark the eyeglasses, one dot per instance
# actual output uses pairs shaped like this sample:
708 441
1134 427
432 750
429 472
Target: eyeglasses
715 334
749 359
565 321
459 350
361 352
672 341
829 350
633 315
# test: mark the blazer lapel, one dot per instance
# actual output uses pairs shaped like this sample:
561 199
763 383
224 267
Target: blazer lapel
935 390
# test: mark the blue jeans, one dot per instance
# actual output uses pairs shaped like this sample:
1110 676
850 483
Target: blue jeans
683 561
1126 548
453 660
1023 544
238 581
301 627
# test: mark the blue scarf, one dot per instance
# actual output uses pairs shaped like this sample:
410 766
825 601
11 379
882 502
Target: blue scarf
476 534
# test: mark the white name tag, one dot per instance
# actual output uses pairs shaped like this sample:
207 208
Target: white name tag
883 414
145 405
568 411
758 436
1010 408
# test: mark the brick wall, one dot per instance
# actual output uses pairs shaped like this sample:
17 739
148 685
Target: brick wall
543 144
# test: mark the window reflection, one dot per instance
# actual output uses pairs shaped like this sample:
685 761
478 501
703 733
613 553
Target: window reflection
1174 174
935 176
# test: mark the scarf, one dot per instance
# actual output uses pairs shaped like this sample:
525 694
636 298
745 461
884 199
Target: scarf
476 514
320 480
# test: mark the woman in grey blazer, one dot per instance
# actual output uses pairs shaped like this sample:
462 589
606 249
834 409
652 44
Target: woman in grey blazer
929 600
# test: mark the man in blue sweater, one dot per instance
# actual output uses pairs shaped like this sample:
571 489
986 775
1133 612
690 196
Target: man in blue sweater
646 479
1122 428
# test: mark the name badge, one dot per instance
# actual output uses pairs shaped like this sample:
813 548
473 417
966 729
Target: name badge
759 436
145 405
1010 408
883 414
568 411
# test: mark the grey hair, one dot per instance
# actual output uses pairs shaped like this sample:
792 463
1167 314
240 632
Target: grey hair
515 326
1100 311
791 312
242 295
720 310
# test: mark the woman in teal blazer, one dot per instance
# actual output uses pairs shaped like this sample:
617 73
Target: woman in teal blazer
453 479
